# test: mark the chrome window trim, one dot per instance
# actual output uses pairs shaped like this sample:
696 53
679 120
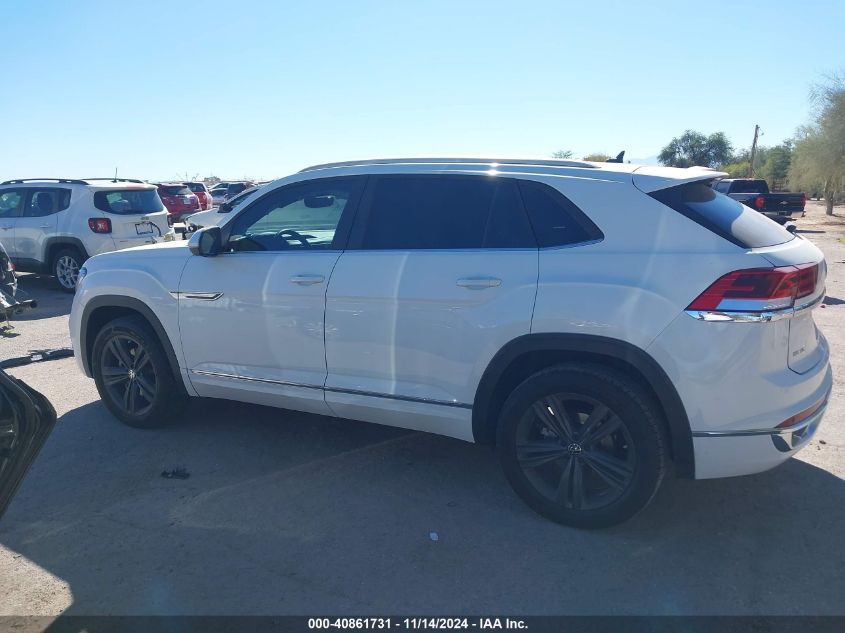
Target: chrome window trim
755 317
354 392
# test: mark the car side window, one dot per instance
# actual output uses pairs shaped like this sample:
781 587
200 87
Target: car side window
555 219
11 200
41 202
424 212
303 216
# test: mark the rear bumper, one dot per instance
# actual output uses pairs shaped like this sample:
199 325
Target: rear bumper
744 452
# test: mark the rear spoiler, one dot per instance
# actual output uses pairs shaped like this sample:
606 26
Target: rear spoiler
650 178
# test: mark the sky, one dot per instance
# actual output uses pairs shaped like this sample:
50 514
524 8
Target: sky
165 90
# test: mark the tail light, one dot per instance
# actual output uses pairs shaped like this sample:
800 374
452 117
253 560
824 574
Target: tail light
803 200
758 289
759 203
99 225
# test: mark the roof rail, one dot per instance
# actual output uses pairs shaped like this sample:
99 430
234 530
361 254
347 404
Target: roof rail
551 162
20 181
117 179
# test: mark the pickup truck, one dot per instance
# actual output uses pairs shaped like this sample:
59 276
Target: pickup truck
754 192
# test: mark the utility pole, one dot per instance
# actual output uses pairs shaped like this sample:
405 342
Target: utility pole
753 152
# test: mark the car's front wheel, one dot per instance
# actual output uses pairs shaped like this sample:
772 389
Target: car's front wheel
133 375
582 445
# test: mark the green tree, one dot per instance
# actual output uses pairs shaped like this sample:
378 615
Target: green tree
818 160
598 157
694 148
773 165
562 153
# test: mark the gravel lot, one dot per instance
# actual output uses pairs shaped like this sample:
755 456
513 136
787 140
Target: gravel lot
286 513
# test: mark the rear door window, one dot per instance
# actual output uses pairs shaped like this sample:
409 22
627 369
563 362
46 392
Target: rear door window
128 202
42 202
424 212
722 215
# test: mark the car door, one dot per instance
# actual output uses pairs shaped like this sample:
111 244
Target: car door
11 204
440 273
251 320
26 420
38 222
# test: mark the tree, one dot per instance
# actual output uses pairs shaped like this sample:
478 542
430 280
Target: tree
562 153
773 164
694 148
598 157
818 160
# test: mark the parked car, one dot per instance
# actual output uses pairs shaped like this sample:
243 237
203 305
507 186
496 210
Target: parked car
202 193
178 199
218 214
234 188
593 320
218 193
52 225
754 193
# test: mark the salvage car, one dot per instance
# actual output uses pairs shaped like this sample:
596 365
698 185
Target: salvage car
593 321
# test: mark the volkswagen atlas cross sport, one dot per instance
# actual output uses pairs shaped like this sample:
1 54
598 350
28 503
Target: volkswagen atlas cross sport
594 321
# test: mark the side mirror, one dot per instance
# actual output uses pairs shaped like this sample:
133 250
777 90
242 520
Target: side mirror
206 242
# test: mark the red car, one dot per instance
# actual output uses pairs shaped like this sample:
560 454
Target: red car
202 192
178 199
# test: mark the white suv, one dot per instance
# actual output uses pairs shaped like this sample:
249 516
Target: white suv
53 225
592 320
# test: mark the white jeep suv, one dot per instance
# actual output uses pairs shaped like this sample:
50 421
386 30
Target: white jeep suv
593 320
52 225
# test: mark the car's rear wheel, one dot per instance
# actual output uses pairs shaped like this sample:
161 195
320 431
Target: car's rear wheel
65 269
582 445
133 375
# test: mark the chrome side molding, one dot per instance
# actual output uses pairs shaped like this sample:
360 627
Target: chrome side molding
201 296
755 317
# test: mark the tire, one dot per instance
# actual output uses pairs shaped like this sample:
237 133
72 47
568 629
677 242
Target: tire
65 268
594 466
133 375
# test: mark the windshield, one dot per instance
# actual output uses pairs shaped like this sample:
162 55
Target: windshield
129 201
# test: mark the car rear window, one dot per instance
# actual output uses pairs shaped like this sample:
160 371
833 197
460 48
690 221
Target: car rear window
174 190
196 187
748 186
128 202
723 216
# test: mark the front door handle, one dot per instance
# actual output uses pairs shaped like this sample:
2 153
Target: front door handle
479 283
45 226
307 280
5 228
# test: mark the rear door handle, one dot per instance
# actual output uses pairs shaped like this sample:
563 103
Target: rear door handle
45 226
307 280
479 283
5 228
